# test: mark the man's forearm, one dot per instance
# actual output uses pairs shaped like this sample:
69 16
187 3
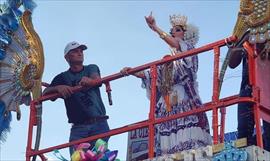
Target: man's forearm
140 75
49 90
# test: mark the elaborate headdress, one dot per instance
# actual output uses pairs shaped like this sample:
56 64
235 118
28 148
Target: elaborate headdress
178 20
191 31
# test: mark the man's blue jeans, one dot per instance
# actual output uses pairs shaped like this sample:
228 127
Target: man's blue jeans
246 122
82 131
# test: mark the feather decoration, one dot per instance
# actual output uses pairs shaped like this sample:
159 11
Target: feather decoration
5 120
13 59
29 5
14 6
192 34
13 3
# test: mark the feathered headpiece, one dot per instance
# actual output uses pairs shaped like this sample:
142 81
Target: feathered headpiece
192 34
178 20
191 31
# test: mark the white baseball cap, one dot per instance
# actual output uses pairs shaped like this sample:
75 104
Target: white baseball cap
73 45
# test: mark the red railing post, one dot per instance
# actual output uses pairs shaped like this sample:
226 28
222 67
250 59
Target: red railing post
215 94
151 145
32 122
255 91
222 122
109 94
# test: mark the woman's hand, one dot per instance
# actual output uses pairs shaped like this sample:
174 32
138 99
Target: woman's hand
125 70
151 22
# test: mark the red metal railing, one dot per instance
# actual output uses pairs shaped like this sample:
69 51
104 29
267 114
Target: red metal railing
255 89
214 105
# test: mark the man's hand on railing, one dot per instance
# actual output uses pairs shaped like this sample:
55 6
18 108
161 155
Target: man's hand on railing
89 82
64 90
125 70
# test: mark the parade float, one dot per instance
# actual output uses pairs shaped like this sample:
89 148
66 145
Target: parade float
22 64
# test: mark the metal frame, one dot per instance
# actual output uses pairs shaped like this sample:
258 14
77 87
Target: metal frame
214 105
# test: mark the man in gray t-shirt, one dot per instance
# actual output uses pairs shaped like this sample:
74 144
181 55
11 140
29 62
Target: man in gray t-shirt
85 109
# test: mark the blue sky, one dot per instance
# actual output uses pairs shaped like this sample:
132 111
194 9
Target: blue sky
117 36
